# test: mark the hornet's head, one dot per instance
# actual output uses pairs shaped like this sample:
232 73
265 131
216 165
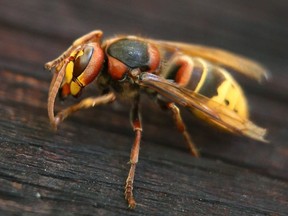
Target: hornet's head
78 66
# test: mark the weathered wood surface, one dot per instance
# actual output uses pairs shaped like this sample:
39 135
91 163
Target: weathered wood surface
81 169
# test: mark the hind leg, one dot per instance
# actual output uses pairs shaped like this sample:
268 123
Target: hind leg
182 128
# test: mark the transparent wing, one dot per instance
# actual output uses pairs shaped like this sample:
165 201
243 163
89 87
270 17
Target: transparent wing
222 57
216 112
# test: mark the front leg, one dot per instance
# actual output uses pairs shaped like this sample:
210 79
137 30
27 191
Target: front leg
83 104
137 127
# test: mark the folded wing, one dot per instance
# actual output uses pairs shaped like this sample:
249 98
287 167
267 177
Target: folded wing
217 113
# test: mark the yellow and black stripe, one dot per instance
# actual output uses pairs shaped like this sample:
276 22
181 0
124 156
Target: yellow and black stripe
213 82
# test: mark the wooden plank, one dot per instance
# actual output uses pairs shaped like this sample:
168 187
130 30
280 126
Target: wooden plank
81 169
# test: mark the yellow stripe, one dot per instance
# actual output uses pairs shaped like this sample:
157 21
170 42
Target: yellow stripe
69 72
233 94
74 88
204 74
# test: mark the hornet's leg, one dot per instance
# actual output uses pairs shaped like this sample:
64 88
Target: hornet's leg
83 104
182 128
180 69
137 127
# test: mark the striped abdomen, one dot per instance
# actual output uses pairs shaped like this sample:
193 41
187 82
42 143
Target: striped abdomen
209 80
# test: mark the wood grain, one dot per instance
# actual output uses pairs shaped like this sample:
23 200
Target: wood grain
81 169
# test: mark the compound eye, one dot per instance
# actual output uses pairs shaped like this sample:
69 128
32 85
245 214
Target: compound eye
82 61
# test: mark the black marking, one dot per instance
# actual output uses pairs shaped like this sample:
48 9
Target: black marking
197 73
226 102
212 82
133 53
